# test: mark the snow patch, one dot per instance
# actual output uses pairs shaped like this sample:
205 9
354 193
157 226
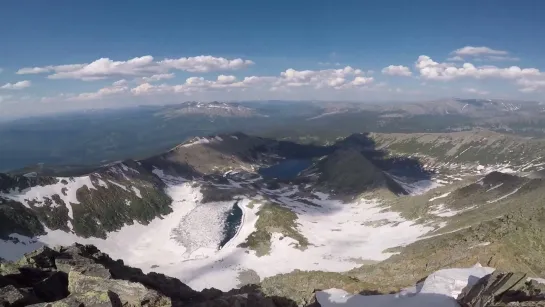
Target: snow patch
136 191
442 211
196 141
67 192
494 187
439 289
119 185
504 196
440 196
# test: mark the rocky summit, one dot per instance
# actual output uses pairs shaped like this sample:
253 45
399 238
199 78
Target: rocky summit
81 275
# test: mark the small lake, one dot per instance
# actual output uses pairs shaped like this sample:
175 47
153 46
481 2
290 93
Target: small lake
285 170
232 224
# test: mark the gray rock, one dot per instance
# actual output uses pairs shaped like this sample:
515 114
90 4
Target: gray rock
66 264
43 258
13 297
490 289
52 288
128 293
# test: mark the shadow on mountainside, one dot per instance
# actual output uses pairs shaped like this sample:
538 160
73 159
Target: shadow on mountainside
407 167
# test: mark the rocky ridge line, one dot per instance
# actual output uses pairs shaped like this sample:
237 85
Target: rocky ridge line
81 275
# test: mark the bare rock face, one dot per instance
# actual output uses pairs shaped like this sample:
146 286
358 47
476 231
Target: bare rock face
503 289
81 275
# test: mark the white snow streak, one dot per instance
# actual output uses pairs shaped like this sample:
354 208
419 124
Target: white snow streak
440 196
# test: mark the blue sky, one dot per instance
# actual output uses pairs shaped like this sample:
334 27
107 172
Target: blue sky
265 50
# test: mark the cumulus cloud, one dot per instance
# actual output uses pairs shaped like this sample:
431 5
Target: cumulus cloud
531 85
475 91
476 51
346 77
158 77
223 79
118 87
205 63
104 68
335 78
397 70
17 85
120 82
429 69
358 81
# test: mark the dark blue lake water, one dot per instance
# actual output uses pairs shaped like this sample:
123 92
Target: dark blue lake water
232 224
287 169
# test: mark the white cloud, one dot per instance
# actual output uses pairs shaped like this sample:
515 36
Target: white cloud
429 69
456 58
397 70
223 79
120 82
531 85
344 78
50 68
142 89
17 85
335 78
117 87
475 91
140 66
475 51
1 70
205 63
158 77
358 81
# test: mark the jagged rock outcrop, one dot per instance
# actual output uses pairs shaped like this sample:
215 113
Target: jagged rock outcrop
503 289
81 275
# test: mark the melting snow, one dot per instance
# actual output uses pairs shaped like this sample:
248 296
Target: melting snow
494 187
337 232
440 289
504 196
418 187
440 196
119 185
480 244
442 211
196 141
38 193
136 191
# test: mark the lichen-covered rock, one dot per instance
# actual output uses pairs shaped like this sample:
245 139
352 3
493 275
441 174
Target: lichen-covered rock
43 258
83 276
13 297
128 293
503 289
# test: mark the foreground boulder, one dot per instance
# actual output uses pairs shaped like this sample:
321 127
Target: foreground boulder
503 289
81 275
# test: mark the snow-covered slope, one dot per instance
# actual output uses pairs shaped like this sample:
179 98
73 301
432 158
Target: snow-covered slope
187 242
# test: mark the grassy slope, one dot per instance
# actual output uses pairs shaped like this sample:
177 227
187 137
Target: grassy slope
482 147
